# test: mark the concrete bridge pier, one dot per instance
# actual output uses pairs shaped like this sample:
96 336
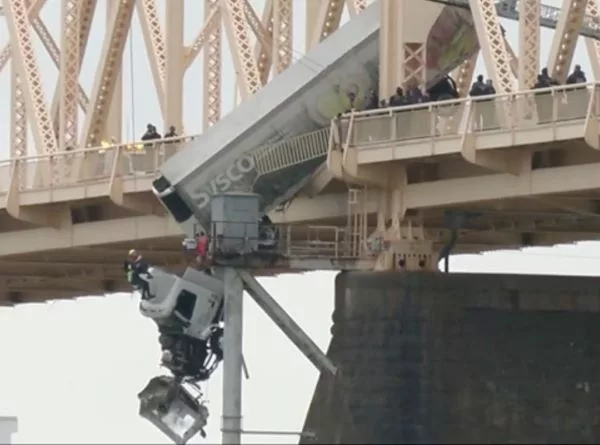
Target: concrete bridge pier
461 358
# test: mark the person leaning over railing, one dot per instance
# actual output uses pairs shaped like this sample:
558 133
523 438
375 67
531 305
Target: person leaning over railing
419 118
171 133
575 106
543 100
412 123
151 134
483 111
342 127
172 141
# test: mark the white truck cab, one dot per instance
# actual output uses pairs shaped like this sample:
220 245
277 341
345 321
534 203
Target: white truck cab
194 301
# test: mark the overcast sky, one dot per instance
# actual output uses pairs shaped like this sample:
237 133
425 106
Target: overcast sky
71 370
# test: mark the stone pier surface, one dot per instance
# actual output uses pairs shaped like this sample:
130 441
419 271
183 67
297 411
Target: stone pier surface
461 358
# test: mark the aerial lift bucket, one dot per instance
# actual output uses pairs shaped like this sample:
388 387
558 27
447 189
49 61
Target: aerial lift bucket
173 408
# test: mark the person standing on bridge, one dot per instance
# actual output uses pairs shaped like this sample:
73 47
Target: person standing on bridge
544 100
170 148
151 134
478 89
577 98
201 247
171 133
577 76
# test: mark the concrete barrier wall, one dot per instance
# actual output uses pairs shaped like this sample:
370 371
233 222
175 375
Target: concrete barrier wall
461 358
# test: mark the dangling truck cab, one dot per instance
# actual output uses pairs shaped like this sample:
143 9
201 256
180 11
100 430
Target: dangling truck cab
192 303
188 311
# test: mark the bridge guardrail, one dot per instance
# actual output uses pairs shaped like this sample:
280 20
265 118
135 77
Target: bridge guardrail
292 241
5 167
400 125
140 160
86 166
526 109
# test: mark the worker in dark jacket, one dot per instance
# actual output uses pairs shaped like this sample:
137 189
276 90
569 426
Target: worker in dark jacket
137 273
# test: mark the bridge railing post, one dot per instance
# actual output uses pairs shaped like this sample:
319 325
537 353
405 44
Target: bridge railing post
348 138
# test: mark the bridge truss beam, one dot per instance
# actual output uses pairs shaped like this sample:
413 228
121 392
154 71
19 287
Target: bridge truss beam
565 38
529 43
262 47
68 76
493 47
25 60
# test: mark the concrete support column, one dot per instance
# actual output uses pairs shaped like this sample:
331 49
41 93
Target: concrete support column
391 48
461 358
231 423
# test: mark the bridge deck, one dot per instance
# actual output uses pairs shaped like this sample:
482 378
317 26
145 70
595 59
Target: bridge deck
65 220
525 119
66 204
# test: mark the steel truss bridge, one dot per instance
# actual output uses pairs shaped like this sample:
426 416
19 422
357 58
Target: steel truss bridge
76 195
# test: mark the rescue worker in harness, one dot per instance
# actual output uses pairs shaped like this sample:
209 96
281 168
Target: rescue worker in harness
137 273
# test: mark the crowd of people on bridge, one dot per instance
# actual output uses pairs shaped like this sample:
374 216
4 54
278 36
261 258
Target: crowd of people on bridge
445 89
485 115
544 80
544 100
152 133
484 110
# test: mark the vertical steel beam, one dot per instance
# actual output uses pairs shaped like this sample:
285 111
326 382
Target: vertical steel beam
529 43
241 51
68 76
32 11
464 75
18 116
593 45
212 66
86 14
154 40
312 15
262 53
232 358
113 129
282 34
493 47
174 64
23 55
565 38
391 72
109 67
327 20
